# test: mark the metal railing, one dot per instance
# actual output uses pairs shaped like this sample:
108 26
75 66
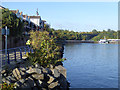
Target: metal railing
14 54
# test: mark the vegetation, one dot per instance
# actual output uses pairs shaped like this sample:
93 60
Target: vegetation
94 35
14 23
5 86
109 34
46 49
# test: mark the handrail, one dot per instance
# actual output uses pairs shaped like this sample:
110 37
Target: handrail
13 54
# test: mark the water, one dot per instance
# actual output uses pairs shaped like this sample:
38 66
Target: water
91 65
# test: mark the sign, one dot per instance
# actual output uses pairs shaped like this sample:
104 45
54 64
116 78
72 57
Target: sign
4 31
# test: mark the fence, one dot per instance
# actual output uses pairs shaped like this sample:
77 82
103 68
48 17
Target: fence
14 54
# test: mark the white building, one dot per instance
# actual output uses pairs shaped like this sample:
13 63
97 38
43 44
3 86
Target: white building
36 20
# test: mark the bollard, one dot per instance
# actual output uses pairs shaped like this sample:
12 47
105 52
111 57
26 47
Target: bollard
15 54
8 57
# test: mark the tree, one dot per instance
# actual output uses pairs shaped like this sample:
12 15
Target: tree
14 23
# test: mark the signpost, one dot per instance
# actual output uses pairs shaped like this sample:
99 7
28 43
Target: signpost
5 32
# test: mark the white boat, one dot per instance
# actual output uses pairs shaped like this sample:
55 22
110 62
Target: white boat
104 41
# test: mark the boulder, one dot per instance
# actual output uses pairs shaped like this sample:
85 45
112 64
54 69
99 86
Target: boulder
26 86
51 66
31 82
38 76
37 65
55 72
34 71
51 79
53 85
47 70
19 83
39 82
23 69
16 74
3 71
11 79
61 69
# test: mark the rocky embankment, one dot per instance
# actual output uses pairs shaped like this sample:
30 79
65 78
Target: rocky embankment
36 77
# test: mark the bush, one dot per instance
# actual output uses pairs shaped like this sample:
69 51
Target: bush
46 50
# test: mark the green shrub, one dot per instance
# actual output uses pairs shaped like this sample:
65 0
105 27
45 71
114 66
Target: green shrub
46 50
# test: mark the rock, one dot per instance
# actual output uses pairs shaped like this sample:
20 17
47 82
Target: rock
19 83
23 69
59 63
38 76
51 79
61 69
44 70
11 79
53 85
8 82
55 72
31 82
51 66
16 74
34 70
3 71
39 82
37 65
26 86
44 85
3 80
47 70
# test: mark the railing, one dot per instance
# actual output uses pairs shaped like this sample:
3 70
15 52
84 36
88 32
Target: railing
14 54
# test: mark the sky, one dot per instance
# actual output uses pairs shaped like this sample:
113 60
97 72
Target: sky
76 16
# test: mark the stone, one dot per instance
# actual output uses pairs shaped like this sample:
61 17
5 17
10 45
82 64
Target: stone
34 70
51 66
44 70
26 85
11 79
31 82
23 69
39 82
53 85
51 79
37 65
3 71
55 72
19 83
38 76
61 69
3 80
16 74
22 73
8 82
59 63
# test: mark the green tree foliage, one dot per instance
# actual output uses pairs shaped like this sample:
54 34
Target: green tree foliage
14 23
109 34
46 49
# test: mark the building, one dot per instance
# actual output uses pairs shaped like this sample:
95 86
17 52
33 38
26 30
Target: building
36 20
18 14
1 7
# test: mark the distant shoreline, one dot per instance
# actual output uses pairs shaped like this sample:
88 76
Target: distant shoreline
79 41
87 41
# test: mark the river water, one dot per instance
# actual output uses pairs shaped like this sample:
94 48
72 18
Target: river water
91 65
